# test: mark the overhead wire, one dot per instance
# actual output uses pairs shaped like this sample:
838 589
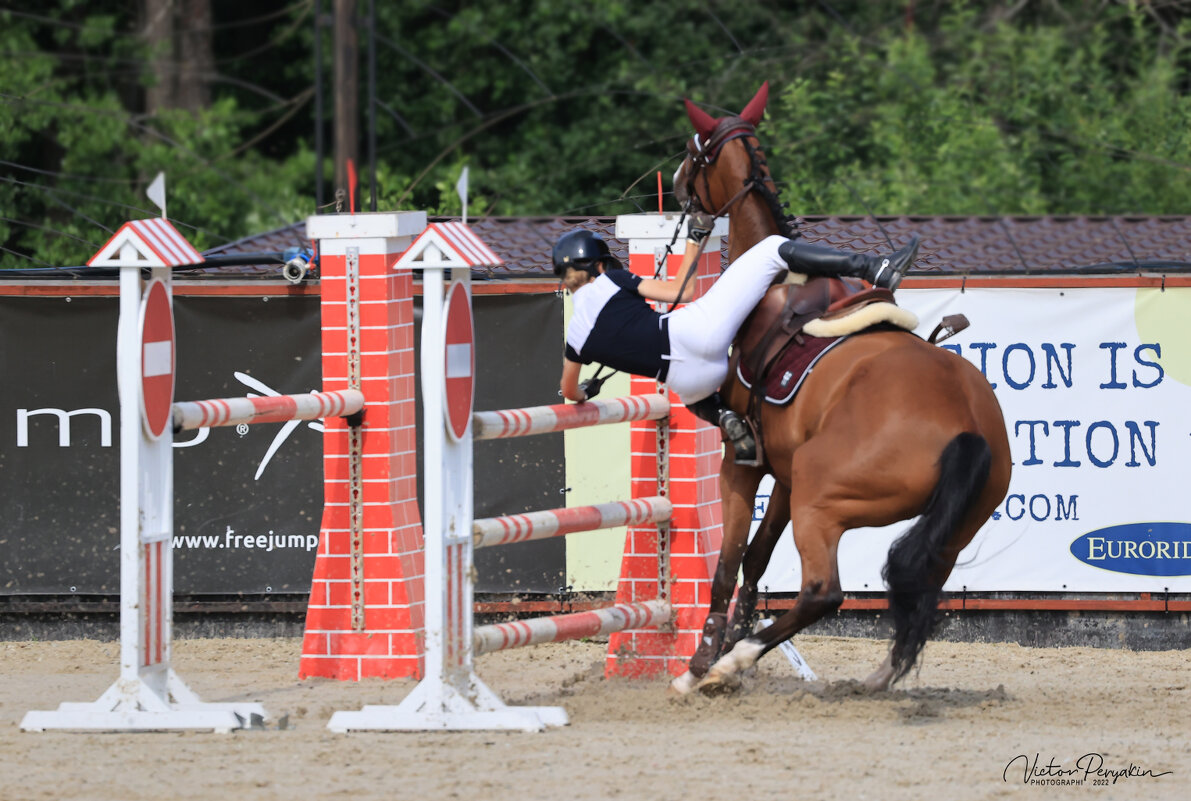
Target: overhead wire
28 258
212 77
152 212
298 102
153 132
296 24
251 21
220 26
49 229
508 53
422 65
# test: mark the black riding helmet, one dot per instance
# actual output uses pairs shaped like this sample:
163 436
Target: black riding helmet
583 250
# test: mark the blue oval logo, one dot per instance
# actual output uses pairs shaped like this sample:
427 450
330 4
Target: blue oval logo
1142 549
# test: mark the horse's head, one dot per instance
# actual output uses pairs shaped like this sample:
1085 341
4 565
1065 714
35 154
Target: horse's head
724 164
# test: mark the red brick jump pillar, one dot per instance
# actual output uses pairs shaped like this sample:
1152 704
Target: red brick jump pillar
366 612
695 452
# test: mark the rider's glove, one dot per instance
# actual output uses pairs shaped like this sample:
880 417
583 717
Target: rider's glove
700 227
591 387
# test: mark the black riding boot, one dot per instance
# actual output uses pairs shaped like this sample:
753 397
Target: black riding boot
736 431
882 271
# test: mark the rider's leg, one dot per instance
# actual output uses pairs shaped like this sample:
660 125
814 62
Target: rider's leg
713 410
701 333
736 293
883 271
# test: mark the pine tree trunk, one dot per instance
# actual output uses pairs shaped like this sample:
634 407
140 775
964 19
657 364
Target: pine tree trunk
181 55
196 57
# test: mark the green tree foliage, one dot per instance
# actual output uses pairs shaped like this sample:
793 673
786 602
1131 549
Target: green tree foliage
976 115
563 107
78 151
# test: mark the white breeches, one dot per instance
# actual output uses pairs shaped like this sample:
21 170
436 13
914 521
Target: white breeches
702 332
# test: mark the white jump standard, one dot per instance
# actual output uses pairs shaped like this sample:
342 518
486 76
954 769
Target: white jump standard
451 696
148 695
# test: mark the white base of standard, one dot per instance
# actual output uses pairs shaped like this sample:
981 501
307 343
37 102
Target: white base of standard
135 706
440 706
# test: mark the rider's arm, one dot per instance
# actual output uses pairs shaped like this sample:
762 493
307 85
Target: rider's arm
570 381
667 291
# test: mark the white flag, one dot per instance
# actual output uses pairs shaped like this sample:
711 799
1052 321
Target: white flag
156 192
461 188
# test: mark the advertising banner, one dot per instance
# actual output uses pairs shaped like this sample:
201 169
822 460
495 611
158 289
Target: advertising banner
248 499
1095 385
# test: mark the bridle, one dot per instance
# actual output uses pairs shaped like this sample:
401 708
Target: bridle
702 155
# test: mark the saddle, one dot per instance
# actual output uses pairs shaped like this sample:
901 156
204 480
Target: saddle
795 325
791 317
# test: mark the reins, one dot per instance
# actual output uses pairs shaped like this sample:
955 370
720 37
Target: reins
702 157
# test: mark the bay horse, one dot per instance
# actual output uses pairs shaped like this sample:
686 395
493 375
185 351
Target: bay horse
887 427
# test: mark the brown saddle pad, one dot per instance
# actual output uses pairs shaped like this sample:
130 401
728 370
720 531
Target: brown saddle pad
772 340
791 368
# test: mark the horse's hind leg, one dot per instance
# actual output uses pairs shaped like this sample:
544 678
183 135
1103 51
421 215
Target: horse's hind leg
738 491
756 559
942 565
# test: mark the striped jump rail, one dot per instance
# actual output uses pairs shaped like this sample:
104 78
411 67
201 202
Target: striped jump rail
520 633
560 522
271 409
563 416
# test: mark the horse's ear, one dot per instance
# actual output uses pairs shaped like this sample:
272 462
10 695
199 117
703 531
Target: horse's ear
704 123
756 108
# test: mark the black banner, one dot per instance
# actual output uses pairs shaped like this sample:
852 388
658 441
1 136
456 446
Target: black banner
518 358
248 500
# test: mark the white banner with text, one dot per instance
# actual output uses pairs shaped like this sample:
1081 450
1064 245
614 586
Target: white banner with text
1095 385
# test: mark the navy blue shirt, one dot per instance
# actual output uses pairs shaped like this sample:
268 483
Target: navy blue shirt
614 325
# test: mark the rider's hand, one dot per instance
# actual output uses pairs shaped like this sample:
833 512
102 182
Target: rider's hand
591 387
700 227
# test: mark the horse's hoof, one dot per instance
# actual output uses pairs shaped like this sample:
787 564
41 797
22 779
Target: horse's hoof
684 684
879 680
874 684
716 684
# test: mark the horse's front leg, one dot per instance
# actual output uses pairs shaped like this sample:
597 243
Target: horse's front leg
756 559
816 536
738 491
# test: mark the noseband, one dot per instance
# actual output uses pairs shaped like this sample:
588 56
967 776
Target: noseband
702 156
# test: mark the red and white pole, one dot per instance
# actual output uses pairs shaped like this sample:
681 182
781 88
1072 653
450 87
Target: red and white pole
560 522
560 417
272 409
620 617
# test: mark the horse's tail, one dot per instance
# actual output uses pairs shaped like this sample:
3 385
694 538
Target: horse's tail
910 573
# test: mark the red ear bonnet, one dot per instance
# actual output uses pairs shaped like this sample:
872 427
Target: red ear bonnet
704 123
756 108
